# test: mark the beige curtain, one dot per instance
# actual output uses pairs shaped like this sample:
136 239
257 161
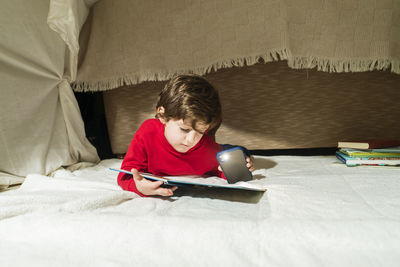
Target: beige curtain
133 41
41 127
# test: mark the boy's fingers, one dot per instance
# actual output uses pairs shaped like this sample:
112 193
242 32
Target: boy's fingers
158 190
249 164
219 168
153 187
164 192
156 184
174 188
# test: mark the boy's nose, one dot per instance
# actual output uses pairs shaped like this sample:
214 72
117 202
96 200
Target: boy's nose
190 138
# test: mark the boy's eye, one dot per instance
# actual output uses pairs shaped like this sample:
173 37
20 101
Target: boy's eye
185 130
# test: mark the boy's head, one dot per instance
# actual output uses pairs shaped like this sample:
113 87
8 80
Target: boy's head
192 99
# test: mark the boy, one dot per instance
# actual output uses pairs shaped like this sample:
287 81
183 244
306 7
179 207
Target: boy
176 142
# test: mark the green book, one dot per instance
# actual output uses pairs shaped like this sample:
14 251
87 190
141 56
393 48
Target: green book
372 153
357 161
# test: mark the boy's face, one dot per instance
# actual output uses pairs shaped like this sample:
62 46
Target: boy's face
182 136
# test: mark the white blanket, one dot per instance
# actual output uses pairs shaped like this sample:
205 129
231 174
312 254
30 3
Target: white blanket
316 212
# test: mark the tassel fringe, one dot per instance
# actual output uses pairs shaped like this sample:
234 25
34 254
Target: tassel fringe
326 65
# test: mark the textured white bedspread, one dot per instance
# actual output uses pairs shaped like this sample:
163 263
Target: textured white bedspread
316 212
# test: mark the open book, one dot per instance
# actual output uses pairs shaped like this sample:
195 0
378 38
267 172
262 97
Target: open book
212 181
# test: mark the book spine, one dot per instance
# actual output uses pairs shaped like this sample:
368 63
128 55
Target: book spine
368 154
369 144
340 158
373 155
343 159
350 161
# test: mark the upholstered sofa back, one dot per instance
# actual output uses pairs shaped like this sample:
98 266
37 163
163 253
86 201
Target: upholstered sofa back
269 106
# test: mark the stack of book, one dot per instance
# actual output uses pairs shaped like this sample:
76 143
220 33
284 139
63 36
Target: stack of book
375 153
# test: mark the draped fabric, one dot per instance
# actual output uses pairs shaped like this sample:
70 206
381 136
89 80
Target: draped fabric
41 128
135 41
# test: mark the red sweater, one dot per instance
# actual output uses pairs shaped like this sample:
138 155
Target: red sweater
150 152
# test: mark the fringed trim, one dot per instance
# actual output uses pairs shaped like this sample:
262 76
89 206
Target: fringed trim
334 65
136 78
326 65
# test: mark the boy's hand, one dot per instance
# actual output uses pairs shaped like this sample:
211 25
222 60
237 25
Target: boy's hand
249 165
149 188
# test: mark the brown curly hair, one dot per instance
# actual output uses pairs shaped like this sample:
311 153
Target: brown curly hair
191 97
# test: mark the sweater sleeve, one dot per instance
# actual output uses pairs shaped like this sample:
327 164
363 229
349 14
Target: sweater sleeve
126 182
135 157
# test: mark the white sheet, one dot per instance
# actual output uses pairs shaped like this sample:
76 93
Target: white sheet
316 212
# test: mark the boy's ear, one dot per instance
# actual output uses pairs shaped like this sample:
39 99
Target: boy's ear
161 111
